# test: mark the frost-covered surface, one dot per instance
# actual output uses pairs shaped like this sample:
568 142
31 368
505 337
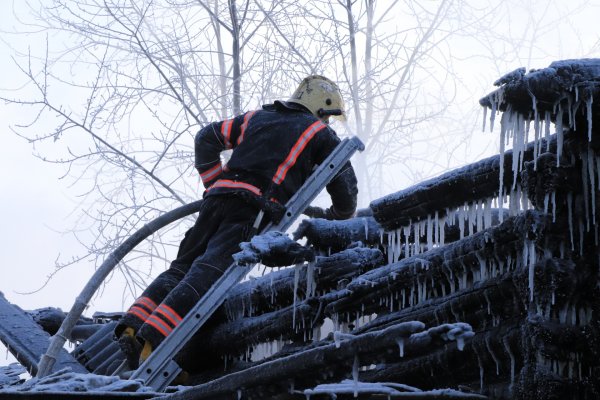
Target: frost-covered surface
336 235
273 249
390 389
275 289
10 374
333 359
26 340
68 381
556 100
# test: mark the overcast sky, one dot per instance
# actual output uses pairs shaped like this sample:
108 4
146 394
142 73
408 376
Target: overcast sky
35 203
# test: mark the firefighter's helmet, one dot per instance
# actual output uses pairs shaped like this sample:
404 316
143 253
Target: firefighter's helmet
321 96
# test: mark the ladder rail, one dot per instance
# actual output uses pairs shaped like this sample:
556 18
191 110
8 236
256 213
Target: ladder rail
160 368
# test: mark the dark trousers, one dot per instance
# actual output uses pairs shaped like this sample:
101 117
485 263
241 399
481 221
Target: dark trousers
204 254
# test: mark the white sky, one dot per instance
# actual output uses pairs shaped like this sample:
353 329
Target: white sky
35 204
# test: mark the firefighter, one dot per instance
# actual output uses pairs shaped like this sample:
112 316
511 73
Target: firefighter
274 150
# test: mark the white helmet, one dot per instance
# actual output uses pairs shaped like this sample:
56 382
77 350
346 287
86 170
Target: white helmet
321 96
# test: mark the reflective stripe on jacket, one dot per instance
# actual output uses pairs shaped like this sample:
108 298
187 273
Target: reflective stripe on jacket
275 150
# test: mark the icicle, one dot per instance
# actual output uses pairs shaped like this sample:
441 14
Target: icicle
400 341
398 249
546 201
492 115
588 105
553 207
417 242
390 247
381 236
471 217
483 275
355 367
487 214
584 177
442 227
547 129
429 233
436 229
530 245
311 283
525 203
591 169
296 279
480 372
484 117
461 226
406 231
501 173
536 138
570 216
559 134
517 144
489 303
366 223
487 344
570 110
512 362
480 215
525 139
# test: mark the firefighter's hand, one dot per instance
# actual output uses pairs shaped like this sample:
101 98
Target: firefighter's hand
318 212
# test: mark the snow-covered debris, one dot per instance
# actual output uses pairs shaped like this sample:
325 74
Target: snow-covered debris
515 75
27 341
67 381
10 374
339 234
275 289
326 360
391 389
273 249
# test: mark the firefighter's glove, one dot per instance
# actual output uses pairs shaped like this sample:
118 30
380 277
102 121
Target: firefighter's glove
318 212
273 249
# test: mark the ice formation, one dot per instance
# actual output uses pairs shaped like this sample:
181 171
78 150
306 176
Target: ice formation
67 381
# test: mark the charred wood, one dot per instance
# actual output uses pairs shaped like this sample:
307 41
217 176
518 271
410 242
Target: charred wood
51 318
337 235
458 264
543 89
473 182
327 363
276 289
333 236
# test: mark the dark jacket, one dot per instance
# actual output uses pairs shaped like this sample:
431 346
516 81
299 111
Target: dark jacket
274 151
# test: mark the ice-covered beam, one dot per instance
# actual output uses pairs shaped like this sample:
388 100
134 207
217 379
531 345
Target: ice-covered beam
276 289
339 234
492 358
443 270
27 341
235 338
478 182
330 361
574 83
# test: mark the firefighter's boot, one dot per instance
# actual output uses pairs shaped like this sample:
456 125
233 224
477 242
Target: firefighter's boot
131 347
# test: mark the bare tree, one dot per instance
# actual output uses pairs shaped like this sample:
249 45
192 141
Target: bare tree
147 74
